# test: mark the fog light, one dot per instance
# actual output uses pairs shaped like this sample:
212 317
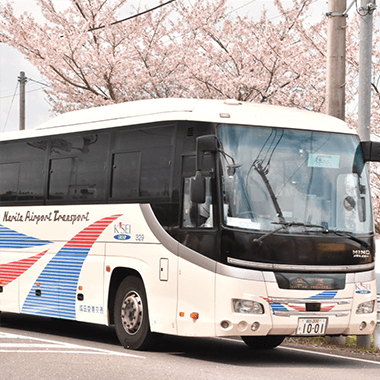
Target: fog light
242 326
362 326
366 307
247 307
255 326
225 324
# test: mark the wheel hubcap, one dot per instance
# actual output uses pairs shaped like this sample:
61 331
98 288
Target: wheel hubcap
132 312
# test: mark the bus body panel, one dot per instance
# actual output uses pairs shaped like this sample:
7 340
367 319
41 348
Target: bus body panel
196 294
230 323
90 302
42 277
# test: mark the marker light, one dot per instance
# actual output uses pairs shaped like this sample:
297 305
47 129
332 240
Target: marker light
194 316
255 326
225 324
366 307
362 326
247 307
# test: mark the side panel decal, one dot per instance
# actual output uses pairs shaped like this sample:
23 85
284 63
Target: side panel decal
12 239
57 283
10 271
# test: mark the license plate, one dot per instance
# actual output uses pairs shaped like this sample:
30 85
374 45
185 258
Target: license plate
311 326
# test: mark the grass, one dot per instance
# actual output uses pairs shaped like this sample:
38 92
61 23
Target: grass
351 342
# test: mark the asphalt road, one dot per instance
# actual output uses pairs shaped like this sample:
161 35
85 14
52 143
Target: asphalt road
39 348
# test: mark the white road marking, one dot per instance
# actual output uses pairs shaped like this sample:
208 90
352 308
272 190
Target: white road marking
330 355
52 346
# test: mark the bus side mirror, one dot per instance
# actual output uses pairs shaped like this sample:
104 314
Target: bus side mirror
208 143
371 150
198 188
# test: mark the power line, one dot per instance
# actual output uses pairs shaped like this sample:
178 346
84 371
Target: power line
131 17
36 81
242 6
27 92
9 111
288 12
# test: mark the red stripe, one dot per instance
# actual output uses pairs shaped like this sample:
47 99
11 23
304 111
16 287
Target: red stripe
9 272
87 237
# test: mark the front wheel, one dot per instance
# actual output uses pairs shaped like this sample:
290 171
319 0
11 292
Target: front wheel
263 342
131 315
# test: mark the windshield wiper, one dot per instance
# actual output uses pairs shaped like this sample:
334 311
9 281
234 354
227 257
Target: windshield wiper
325 230
300 224
348 234
258 167
285 224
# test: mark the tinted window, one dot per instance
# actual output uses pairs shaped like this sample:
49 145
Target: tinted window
23 170
78 167
142 163
156 172
125 175
9 181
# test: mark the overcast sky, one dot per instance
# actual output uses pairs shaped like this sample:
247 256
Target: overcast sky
37 107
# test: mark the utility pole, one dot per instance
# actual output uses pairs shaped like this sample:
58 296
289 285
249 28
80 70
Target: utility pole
22 79
336 74
366 10
365 65
336 59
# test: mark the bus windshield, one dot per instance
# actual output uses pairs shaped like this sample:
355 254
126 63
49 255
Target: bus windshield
301 180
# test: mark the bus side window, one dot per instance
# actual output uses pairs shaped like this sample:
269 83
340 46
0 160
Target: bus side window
22 170
78 167
197 215
9 181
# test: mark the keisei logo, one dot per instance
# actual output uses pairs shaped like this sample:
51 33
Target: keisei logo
363 288
122 231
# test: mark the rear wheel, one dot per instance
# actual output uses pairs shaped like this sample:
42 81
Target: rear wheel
263 342
131 315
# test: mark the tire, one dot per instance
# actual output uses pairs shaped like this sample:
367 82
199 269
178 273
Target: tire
263 342
131 315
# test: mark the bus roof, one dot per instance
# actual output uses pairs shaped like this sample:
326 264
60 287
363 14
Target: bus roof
169 109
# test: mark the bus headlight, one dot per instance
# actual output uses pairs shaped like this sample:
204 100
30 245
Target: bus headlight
247 307
366 307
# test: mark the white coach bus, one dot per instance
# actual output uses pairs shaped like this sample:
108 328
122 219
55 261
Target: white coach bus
190 217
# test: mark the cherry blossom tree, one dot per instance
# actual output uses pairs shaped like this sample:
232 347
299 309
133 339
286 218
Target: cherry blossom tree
178 50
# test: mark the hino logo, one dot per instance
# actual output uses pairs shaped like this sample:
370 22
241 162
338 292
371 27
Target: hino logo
361 252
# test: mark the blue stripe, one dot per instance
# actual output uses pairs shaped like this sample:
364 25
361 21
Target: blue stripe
12 239
278 307
58 285
328 294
